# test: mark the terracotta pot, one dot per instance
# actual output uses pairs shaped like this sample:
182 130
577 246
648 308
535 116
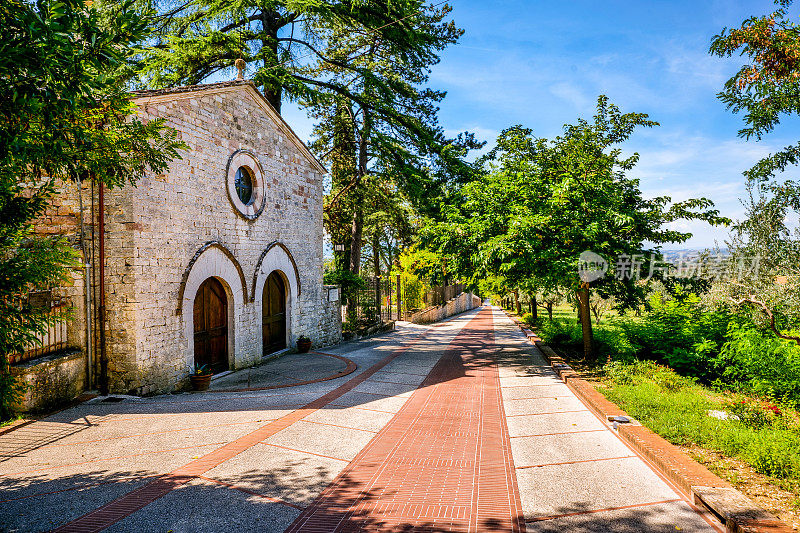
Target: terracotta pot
303 346
200 382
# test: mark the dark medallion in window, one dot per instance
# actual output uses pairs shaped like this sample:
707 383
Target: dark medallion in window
244 182
244 185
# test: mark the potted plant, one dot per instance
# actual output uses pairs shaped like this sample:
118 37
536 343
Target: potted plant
201 377
303 344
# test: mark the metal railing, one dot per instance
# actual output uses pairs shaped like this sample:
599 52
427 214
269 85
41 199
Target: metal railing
54 338
440 295
378 301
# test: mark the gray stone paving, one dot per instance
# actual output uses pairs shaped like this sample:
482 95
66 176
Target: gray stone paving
281 371
572 470
58 469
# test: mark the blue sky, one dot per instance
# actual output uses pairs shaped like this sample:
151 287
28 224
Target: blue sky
543 63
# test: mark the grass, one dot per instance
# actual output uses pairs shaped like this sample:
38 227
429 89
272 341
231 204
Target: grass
4 423
566 311
765 437
757 447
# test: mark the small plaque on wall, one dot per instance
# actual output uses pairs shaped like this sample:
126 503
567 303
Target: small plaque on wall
40 299
333 295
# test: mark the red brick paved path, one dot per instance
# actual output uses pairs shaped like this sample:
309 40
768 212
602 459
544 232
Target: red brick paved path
135 500
443 463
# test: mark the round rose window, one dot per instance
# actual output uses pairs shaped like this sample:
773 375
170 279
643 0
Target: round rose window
245 184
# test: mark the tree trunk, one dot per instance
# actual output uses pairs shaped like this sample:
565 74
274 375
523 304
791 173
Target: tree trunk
356 237
270 21
376 256
376 264
534 305
517 305
586 320
550 310
338 215
357 228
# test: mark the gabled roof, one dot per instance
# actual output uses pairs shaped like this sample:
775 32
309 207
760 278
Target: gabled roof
188 91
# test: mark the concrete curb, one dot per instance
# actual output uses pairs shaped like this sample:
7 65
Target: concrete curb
17 424
704 488
351 367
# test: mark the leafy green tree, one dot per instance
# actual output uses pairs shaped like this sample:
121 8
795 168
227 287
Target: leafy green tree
388 156
766 89
360 67
764 265
284 42
541 203
64 115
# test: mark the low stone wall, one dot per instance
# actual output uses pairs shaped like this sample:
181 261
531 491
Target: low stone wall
330 326
52 380
463 302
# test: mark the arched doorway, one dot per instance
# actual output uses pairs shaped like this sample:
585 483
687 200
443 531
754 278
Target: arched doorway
273 306
211 326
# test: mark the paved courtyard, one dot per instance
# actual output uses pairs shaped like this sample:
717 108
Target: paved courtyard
454 427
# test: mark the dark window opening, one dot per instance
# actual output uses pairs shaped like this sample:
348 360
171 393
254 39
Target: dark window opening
244 185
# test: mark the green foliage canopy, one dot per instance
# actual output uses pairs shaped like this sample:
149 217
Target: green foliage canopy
766 89
542 202
65 115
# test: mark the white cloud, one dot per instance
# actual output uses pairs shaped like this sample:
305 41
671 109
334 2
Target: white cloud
683 165
573 95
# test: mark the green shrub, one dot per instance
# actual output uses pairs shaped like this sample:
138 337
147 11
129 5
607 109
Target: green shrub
609 339
681 332
710 344
638 372
677 408
753 414
760 363
773 454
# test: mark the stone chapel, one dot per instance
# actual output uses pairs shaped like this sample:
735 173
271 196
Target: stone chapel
217 262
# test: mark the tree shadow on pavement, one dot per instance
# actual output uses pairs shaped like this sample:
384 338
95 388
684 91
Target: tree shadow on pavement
351 507
657 518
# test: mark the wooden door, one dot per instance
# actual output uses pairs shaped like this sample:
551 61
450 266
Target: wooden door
211 326
273 324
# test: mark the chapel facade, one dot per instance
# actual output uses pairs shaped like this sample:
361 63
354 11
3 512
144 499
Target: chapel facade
216 262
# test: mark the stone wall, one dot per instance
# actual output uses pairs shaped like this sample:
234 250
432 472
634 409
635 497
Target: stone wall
331 321
51 380
57 378
168 233
463 302
171 232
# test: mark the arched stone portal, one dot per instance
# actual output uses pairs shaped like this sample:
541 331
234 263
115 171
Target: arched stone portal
277 264
211 326
212 261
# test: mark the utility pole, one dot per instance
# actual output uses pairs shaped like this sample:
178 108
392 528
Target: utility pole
398 297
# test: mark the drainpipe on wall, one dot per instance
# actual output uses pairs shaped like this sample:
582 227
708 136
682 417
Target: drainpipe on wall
102 282
87 292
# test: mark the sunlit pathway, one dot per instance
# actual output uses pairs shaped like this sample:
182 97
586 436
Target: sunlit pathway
454 427
442 463
573 472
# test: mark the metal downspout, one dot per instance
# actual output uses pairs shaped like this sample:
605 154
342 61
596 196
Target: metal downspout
87 292
102 282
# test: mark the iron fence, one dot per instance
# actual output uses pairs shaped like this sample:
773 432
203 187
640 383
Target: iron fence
387 298
54 338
